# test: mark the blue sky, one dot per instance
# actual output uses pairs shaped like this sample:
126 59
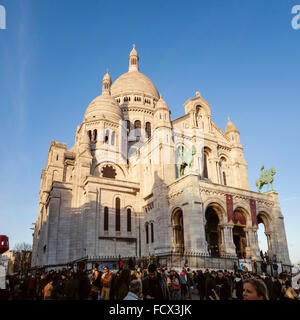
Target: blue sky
243 56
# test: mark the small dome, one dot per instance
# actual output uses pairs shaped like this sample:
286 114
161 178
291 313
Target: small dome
230 127
104 106
133 82
161 104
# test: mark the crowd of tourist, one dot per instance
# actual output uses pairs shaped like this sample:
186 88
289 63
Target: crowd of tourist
150 283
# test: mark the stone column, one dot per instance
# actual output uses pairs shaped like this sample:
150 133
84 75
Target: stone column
53 221
90 222
193 218
278 238
248 239
253 242
270 249
228 246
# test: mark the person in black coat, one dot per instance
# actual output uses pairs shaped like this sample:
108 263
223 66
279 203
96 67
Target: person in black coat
277 289
210 285
238 283
201 284
263 267
153 286
71 287
222 284
121 285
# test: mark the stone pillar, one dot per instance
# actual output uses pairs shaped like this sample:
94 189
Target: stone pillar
90 223
193 218
53 221
268 235
227 246
253 242
278 239
248 247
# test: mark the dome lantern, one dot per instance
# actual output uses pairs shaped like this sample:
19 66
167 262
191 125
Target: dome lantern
104 106
106 84
133 60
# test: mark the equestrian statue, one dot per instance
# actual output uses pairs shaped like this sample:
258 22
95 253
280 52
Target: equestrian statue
266 177
186 159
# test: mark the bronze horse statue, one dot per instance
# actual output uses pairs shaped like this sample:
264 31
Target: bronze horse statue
266 177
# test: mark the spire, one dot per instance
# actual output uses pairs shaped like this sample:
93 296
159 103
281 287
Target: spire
133 60
106 83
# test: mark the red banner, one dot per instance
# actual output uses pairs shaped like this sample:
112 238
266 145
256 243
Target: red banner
253 212
229 204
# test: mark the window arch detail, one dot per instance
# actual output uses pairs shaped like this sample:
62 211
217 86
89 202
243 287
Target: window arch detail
105 218
118 214
128 220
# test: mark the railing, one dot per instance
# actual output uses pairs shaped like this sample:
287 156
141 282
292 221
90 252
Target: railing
194 260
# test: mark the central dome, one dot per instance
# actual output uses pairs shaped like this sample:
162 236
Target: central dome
133 82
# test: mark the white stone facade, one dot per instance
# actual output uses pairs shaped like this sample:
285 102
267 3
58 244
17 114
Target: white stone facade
121 178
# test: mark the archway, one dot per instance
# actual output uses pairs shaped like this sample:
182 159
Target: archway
212 231
263 236
239 235
178 232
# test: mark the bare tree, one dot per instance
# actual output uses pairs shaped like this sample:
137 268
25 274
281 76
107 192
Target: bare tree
22 257
23 246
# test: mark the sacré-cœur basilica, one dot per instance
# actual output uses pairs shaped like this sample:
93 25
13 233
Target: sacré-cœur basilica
138 184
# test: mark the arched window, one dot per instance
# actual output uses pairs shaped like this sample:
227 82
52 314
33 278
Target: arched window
224 178
90 134
95 135
205 169
152 232
106 219
128 220
112 140
148 129
137 127
118 213
106 138
212 231
128 125
147 233
178 234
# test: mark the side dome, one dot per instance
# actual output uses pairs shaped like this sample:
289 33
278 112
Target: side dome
134 82
161 105
104 106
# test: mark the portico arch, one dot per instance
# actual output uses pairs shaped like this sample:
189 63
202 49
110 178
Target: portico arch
239 232
264 232
214 214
